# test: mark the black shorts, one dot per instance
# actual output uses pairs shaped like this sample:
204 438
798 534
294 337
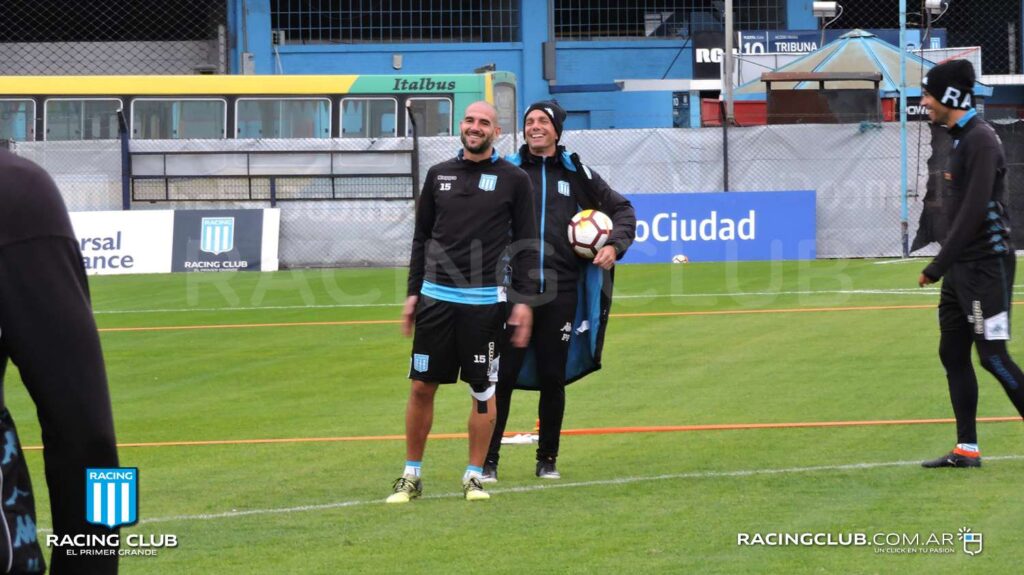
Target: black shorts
454 337
976 297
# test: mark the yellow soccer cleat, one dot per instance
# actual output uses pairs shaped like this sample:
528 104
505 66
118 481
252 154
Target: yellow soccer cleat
474 490
406 488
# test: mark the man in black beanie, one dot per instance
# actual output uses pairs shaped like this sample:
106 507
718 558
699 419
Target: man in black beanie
562 185
977 260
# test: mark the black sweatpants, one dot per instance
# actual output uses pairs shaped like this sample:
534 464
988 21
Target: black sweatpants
552 328
974 310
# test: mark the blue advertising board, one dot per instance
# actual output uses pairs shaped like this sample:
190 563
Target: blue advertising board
723 226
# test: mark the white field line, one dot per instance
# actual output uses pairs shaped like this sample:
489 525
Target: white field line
929 292
900 261
546 485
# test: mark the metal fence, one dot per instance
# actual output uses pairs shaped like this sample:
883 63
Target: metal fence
333 22
611 19
59 37
994 25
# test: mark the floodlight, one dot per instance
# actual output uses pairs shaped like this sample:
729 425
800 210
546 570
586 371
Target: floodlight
825 9
935 7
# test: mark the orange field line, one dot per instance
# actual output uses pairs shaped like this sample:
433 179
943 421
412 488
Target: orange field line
616 315
591 431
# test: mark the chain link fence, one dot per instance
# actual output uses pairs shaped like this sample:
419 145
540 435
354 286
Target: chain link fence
90 37
993 25
855 168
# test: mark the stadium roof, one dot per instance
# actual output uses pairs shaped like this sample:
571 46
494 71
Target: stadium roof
855 51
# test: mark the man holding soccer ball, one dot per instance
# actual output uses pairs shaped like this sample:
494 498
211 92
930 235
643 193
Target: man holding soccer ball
562 185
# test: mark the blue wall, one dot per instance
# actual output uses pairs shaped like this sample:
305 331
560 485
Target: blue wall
585 69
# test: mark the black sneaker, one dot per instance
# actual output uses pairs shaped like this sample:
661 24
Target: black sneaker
490 474
546 469
953 459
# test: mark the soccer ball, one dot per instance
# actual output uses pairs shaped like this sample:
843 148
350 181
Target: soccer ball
680 259
588 232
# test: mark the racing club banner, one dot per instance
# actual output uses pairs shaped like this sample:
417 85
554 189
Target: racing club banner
225 240
723 226
162 241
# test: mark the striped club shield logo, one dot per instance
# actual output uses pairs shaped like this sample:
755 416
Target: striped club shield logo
217 235
488 182
112 496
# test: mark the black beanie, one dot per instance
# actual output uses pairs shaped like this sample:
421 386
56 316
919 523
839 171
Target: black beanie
951 84
553 110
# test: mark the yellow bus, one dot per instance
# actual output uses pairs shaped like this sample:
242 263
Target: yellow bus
37 108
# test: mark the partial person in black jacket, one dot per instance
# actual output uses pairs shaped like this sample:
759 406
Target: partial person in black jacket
472 209
562 186
47 330
977 260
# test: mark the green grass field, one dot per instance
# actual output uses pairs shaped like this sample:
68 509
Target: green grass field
668 502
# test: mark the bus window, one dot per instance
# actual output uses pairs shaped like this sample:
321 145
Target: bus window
433 116
505 103
94 119
164 119
283 118
17 120
368 117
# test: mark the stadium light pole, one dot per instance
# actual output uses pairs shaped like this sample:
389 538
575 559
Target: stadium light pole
727 90
904 208
727 61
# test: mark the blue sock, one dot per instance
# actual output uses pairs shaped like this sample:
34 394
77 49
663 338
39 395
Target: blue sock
472 471
413 468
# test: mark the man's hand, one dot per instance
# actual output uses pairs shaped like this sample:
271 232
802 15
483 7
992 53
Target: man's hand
924 280
605 257
522 319
409 314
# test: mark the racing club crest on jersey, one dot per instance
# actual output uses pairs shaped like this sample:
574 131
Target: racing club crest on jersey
488 182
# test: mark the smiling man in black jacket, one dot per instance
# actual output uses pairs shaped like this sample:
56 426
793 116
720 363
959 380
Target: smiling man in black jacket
562 186
977 260
472 209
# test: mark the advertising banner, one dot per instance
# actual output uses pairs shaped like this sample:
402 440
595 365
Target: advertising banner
723 226
222 240
162 241
124 242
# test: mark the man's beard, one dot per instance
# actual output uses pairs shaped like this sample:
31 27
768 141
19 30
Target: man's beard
485 144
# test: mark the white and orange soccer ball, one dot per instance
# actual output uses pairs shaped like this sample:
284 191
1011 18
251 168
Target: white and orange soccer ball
588 232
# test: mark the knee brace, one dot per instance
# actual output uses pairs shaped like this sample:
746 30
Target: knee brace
481 397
